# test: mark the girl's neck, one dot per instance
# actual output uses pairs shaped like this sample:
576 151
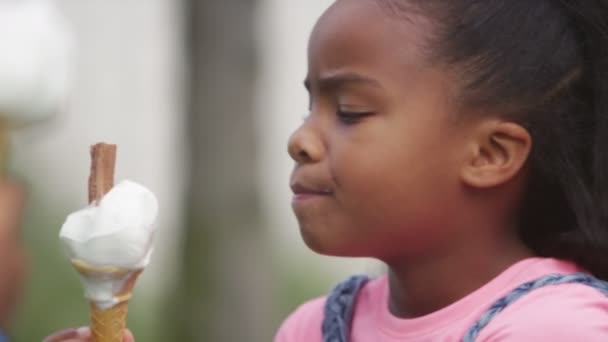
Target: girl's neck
425 286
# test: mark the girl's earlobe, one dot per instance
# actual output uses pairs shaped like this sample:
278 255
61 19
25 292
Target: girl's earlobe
500 152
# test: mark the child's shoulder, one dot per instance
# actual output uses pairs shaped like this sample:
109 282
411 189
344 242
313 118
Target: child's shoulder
304 324
557 313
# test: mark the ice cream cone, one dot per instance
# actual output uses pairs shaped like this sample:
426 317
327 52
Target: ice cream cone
110 242
108 323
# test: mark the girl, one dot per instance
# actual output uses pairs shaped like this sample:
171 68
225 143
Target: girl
463 144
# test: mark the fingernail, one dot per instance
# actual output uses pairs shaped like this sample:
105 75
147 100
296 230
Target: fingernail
82 331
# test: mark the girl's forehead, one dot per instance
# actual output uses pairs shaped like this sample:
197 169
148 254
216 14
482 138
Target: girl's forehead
363 34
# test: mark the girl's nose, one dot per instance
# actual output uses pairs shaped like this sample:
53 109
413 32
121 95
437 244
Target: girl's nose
305 146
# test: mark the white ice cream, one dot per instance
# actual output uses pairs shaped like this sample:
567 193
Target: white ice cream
34 60
118 233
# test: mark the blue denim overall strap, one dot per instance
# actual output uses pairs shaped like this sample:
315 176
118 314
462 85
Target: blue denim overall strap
339 307
555 279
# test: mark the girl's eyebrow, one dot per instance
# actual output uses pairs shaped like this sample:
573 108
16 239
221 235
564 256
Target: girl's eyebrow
338 80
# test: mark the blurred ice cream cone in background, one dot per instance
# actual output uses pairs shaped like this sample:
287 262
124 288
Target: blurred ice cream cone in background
34 65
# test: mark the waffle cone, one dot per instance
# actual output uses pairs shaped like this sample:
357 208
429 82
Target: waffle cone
108 325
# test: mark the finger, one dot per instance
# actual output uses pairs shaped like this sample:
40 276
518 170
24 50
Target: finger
129 336
64 335
70 335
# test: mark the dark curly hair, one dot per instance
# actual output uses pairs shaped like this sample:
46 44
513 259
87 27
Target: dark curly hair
544 65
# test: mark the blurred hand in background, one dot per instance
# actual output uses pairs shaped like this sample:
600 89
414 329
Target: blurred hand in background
12 258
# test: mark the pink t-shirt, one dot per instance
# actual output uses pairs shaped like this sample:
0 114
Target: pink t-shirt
569 312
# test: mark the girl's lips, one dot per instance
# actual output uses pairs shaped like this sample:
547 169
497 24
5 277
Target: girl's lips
303 192
309 196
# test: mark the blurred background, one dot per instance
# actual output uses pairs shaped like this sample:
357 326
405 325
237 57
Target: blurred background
200 96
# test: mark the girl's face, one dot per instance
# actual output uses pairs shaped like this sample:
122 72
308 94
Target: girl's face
377 159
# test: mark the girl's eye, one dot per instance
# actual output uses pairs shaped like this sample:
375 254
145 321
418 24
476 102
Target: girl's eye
350 118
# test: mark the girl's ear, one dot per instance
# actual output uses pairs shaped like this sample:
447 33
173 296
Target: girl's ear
499 152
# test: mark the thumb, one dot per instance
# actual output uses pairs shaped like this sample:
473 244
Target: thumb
129 336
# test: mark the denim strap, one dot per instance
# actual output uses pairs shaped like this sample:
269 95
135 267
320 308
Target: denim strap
341 302
554 279
339 309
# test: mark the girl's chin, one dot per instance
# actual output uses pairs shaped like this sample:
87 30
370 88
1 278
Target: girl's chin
323 244
313 240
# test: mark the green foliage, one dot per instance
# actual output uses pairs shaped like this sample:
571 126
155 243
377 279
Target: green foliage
53 296
296 285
